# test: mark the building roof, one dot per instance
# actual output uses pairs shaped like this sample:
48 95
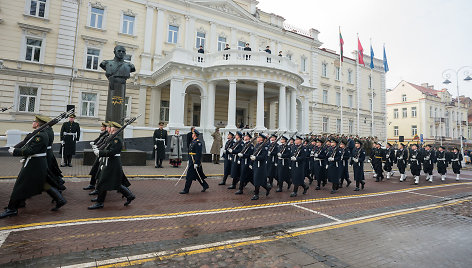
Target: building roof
425 90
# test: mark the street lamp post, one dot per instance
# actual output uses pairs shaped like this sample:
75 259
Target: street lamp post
447 75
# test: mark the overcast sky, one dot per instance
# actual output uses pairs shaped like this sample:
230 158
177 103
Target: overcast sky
422 37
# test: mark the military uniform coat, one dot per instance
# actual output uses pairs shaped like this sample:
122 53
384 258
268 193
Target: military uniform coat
429 159
298 166
319 164
93 171
272 160
259 165
335 164
358 166
442 160
377 155
389 159
70 134
32 176
401 159
54 177
246 173
415 160
227 157
236 164
160 140
456 160
111 175
308 160
283 164
217 143
194 157
345 164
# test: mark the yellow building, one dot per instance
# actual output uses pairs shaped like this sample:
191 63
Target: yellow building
51 50
414 110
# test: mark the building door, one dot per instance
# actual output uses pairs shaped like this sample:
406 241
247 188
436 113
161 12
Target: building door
241 119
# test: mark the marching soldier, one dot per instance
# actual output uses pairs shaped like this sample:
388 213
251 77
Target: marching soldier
334 154
54 172
345 164
309 149
298 167
428 162
442 162
111 176
311 159
319 164
32 179
227 157
93 172
389 160
246 173
272 159
376 157
195 171
236 164
160 145
283 164
456 160
402 160
70 134
357 162
259 158
415 162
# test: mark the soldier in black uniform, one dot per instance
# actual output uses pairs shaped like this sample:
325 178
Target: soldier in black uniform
272 159
93 171
111 176
298 159
402 160
389 160
309 149
376 157
227 158
283 164
259 158
442 159
429 159
415 160
319 163
357 162
195 171
160 145
456 160
246 173
54 172
70 134
334 154
236 161
32 179
345 164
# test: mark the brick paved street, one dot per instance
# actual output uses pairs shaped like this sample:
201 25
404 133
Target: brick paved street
162 220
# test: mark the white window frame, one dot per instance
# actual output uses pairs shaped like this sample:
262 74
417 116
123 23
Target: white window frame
338 99
175 34
403 97
338 126
395 113
24 46
243 43
413 112
430 111
199 40
337 73
404 113
325 96
351 101
395 131
97 101
221 45
89 17
324 69
351 127
414 130
127 105
133 33
303 64
86 57
28 9
41 51
166 112
349 76
17 97
325 125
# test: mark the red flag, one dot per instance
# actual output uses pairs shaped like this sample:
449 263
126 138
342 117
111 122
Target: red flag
360 52
341 44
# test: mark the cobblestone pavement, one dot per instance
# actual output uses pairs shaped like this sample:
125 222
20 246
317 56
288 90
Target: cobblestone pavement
161 220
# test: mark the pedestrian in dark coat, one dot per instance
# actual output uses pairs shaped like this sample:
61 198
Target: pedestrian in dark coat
429 158
334 165
402 160
298 166
216 146
456 160
442 159
246 172
389 160
259 158
319 164
160 144
357 162
93 171
345 164
273 148
176 149
236 164
283 164
415 160
195 171
70 134
227 156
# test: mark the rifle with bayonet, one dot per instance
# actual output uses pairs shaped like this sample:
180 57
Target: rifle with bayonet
272 147
112 136
6 109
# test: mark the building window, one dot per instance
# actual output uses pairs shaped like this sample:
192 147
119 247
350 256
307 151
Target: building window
430 111
414 130
96 17
38 8
27 98
338 125
89 104
395 113
325 124
200 40
289 56
351 102
325 96
127 107
351 126
221 43
33 49
128 24
164 111
404 98
349 76
431 131
370 81
241 45
338 73
435 112
324 69
92 59
404 113
173 34
338 99
395 131
413 112
303 65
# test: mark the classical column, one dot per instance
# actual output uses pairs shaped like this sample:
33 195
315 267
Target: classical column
142 107
189 30
155 106
293 109
232 105
288 110
211 105
306 116
161 32
260 106
176 104
282 109
146 55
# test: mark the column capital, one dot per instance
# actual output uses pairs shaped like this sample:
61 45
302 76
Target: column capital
261 81
233 81
282 86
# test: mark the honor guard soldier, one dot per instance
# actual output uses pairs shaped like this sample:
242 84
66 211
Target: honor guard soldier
259 158
298 159
98 141
376 157
32 179
227 157
456 161
442 160
160 145
54 172
236 164
272 159
319 163
246 173
389 160
283 164
345 164
309 159
111 176
195 171
428 162
70 134
357 162
334 165
415 162
402 160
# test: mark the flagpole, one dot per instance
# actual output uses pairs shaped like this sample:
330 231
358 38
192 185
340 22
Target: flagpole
341 81
372 94
357 89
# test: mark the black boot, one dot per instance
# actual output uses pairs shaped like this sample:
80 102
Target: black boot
94 200
8 213
94 192
362 185
348 183
90 187
223 182
295 191
255 197
279 188
57 197
97 205
305 188
128 194
232 187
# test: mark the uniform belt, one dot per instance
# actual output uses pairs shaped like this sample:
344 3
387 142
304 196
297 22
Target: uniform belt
192 153
49 147
117 154
70 133
34 155
317 159
160 139
378 157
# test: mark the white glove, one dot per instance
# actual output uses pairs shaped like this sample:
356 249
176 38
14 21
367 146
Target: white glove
293 158
356 160
11 150
155 146
230 150
253 158
316 155
94 147
279 154
165 146
195 166
268 153
96 151
368 160
62 142
331 159
92 143
240 155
